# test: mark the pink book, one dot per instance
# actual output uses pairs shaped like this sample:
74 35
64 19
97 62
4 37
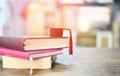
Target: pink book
27 55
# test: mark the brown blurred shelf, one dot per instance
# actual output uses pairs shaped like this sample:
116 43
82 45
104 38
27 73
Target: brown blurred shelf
86 39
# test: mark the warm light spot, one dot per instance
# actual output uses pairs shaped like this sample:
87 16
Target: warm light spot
35 19
84 26
33 7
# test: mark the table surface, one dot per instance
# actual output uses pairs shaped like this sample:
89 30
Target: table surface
84 62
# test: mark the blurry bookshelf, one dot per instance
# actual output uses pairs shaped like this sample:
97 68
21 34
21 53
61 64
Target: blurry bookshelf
98 39
86 40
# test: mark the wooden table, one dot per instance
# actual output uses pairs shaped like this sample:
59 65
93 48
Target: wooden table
84 62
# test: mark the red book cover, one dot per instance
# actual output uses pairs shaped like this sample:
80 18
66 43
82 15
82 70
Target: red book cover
27 55
28 43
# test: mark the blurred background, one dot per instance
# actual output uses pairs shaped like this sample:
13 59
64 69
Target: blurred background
94 23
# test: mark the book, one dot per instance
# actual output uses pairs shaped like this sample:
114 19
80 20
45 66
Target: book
28 43
19 63
30 54
29 57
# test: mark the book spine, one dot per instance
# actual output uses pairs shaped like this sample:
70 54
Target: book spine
12 43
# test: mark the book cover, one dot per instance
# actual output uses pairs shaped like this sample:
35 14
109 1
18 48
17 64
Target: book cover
28 43
30 54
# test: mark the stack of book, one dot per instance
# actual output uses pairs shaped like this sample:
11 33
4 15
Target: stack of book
26 51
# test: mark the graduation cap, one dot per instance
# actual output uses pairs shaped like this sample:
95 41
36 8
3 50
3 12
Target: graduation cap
58 32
